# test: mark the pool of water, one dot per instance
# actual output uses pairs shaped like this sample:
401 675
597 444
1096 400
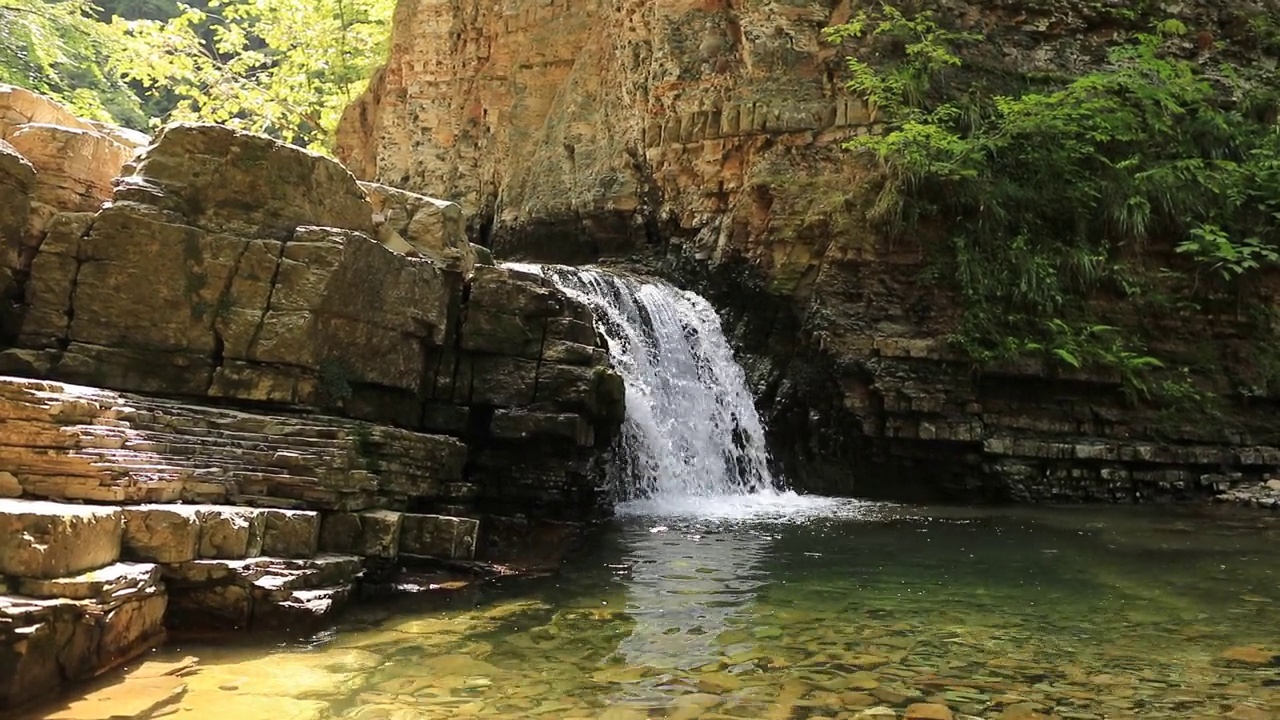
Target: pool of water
828 610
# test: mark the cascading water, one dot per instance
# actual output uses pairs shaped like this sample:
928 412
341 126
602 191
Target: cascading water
692 441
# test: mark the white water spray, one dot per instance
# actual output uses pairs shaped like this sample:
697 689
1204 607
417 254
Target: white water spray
692 442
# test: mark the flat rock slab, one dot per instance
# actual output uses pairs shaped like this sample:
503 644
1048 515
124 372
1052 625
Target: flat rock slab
109 583
51 540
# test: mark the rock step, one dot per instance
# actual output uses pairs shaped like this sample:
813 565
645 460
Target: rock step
112 582
46 540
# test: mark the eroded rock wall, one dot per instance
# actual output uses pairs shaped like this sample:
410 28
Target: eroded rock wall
230 268
323 382
702 139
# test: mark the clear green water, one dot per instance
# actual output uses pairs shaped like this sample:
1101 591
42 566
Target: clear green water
1081 613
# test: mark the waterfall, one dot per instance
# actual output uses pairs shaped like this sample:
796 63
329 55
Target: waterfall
692 433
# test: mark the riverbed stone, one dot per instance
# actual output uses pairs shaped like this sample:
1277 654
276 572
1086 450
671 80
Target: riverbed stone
1250 655
928 711
50 540
291 533
439 536
160 533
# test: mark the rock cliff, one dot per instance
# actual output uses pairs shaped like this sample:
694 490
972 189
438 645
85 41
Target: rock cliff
287 384
702 139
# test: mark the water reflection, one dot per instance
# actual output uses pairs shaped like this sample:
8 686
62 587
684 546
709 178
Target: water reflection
687 586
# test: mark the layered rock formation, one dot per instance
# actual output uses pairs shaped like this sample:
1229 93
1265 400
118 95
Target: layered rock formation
710 133
288 382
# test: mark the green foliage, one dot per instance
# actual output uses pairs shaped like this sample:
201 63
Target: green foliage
57 48
286 68
1041 200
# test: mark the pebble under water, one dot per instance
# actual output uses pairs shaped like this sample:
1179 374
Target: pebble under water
854 611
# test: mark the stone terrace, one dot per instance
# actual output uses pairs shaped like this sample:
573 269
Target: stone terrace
86 586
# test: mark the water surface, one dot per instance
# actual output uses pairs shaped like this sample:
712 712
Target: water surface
828 611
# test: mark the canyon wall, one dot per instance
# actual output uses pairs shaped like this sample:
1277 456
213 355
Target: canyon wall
701 139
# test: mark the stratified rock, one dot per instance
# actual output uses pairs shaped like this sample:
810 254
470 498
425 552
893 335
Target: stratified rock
547 124
75 168
291 533
411 223
226 181
51 540
375 533
44 642
298 609
72 442
157 533
111 582
439 536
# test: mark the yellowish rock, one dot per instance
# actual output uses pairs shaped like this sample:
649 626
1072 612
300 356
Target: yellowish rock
1250 655
928 711
132 698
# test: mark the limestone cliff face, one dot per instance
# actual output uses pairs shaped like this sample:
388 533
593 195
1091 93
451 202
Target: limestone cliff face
611 118
709 131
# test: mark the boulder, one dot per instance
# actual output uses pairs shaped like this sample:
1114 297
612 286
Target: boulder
225 180
51 540
415 224
19 106
9 485
74 168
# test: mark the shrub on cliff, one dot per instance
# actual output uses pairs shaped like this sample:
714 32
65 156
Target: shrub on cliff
1044 197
